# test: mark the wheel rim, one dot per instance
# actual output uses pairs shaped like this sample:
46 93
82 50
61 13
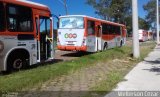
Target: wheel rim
17 64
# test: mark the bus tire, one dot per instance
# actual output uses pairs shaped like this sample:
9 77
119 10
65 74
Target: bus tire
17 62
105 46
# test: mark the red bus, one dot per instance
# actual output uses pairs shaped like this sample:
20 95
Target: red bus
84 33
26 34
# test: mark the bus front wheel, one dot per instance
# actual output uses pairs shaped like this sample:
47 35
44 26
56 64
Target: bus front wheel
16 63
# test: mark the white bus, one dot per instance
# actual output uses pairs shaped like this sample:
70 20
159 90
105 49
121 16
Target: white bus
143 35
84 33
26 34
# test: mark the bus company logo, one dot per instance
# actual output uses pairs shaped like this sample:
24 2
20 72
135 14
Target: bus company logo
70 35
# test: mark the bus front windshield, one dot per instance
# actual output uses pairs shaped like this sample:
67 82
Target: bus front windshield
71 22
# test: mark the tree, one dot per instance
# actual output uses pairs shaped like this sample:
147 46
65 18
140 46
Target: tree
120 10
150 8
102 8
129 25
112 10
143 24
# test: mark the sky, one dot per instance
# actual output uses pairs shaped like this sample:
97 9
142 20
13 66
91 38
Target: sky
79 7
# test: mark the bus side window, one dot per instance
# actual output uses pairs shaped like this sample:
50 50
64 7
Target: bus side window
91 27
117 30
2 18
12 22
104 29
109 29
19 18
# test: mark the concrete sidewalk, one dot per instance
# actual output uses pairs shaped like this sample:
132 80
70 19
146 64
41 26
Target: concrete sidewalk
145 76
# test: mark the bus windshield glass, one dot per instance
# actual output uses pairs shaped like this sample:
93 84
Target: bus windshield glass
71 22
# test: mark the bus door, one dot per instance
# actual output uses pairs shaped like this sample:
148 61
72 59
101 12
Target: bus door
99 36
91 36
45 47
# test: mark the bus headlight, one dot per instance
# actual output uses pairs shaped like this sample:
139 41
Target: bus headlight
1 46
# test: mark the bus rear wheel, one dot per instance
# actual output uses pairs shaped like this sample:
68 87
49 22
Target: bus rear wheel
17 63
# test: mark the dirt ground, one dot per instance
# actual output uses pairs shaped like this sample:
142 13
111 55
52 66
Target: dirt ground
68 55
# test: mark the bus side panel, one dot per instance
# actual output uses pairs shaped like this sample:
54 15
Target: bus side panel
2 54
11 44
110 40
113 40
91 30
8 43
91 43
119 39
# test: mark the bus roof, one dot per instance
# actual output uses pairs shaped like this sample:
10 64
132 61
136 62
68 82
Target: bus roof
28 4
34 3
92 18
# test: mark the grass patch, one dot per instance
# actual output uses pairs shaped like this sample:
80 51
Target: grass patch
112 79
118 70
24 80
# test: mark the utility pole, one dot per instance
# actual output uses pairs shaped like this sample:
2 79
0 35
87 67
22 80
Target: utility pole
157 21
65 5
136 51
